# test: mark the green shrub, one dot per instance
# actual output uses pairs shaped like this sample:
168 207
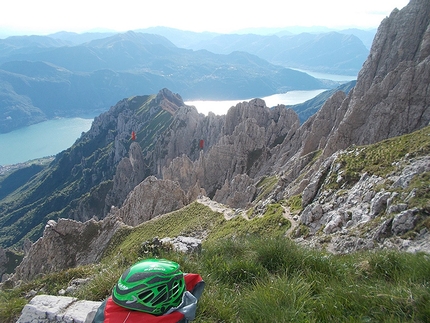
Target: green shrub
295 203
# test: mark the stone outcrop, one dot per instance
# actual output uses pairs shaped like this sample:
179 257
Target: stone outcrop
58 309
150 198
129 173
183 244
184 134
250 131
66 244
238 193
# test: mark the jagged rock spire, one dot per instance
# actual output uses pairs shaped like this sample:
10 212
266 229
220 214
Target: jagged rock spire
391 96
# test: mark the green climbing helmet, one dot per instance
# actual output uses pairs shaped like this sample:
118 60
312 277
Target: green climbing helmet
151 285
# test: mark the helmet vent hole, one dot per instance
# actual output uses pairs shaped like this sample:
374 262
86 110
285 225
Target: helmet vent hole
176 288
146 296
162 296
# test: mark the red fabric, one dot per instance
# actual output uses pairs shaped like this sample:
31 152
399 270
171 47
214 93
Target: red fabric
118 314
191 281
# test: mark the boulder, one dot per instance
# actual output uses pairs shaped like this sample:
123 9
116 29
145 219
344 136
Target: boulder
184 244
66 244
404 221
379 203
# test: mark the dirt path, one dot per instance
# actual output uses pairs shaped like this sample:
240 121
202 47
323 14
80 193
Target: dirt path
287 215
229 213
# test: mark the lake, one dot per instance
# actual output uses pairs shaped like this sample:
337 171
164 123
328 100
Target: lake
326 76
40 140
221 107
51 137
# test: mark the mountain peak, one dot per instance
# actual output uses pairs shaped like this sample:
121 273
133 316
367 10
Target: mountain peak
169 101
140 39
401 37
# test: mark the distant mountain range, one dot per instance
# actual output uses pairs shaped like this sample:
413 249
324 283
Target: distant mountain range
68 75
341 52
338 51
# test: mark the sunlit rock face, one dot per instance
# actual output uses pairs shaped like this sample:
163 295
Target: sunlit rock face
391 96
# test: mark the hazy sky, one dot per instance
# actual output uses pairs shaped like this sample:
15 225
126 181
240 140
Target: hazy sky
48 16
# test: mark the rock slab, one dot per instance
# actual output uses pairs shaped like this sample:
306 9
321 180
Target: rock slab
58 309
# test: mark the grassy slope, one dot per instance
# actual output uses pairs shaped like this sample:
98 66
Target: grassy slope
384 158
381 158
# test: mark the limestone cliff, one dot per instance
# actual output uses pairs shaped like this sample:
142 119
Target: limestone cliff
129 173
250 130
391 96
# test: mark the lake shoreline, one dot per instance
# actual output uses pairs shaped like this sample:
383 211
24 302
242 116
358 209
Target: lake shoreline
48 138
220 107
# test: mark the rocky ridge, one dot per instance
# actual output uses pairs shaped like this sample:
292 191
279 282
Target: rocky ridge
373 213
249 131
